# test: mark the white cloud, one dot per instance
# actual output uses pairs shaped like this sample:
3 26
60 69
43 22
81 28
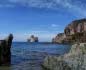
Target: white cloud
52 4
54 25
71 5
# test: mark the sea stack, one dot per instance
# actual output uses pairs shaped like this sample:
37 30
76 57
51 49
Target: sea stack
33 39
5 50
73 32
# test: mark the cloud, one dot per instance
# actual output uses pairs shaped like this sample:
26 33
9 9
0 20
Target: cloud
54 25
73 6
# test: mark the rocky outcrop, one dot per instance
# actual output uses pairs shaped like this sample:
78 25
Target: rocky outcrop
59 38
74 60
73 32
33 39
5 50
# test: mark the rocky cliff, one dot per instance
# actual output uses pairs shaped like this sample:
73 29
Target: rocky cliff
5 50
74 60
73 32
59 38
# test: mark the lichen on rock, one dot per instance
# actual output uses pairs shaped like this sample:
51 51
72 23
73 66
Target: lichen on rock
74 60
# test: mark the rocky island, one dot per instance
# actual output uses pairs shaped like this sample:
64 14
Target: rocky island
73 32
33 39
5 50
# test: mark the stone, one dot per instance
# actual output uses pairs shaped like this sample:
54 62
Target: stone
59 38
5 50
75 59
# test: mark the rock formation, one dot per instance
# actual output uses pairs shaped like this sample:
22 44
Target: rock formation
33 39
73 32
5 50
59 38
74 60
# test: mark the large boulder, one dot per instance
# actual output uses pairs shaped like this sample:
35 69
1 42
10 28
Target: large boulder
74 60
5 50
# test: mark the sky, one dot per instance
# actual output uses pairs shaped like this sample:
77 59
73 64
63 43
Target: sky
42 18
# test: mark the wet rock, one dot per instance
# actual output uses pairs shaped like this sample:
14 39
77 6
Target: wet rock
74 60
5 50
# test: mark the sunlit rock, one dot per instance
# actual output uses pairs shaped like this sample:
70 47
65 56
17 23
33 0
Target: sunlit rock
73 32
74 60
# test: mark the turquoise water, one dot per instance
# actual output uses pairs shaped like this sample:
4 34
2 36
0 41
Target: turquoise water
30 56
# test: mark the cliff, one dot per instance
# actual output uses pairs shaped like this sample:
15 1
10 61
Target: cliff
74 60
5 50
73 32
59 38
33 39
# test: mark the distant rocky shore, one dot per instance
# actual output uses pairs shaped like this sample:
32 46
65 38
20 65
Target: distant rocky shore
73 32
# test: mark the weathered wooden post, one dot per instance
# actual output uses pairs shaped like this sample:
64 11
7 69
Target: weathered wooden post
5 50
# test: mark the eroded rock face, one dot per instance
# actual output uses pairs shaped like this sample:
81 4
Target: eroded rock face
5 50
76 30
59 38
73 32
74 60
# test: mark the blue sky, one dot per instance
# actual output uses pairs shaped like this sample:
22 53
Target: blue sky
43 18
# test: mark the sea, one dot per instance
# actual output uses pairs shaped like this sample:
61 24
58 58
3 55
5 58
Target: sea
30 56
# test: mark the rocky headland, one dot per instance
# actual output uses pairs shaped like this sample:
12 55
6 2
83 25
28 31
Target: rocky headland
33 39
73 32
5 50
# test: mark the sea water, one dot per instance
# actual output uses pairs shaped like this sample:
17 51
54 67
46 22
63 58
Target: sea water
30 56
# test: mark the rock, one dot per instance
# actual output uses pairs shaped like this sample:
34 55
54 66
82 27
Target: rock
5 50
59 38
33 39
74 60
73 32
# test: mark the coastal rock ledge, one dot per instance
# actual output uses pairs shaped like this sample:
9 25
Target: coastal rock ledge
5 50
74 60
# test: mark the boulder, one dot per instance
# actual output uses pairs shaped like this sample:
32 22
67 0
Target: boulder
5 50
74 60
